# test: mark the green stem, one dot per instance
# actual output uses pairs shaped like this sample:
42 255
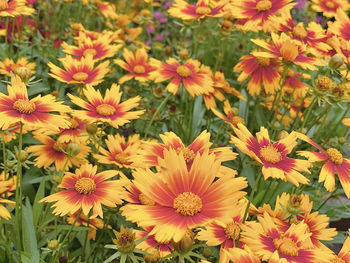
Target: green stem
6 27
4 153
325 201
308 112
156 113
18 209
344 205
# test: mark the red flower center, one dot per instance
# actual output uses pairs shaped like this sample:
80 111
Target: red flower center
330 4
270 154
105 109
286 246
90 51
203 10
139 69
24 106
85 186
299 31
335 156
80 76
232 230
264 62
4 4
145 200
263 5
188 204
183 71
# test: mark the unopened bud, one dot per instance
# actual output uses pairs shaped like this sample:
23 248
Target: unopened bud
23 72
53 244
153 257
282 134
91 129
22 156
341 140
73 149
336 61
183 53
186 243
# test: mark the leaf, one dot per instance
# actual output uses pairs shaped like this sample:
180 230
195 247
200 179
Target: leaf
38 207
114 256
250 173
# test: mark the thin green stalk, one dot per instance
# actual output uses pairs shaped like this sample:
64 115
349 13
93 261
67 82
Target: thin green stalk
156 113
18 209
190 114
308 112
325 201
86 237
6 27
4 154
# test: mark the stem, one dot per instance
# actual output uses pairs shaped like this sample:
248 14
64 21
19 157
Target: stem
4 153
344 205
308 112
6 27
18 216
190 120
325 201
156 113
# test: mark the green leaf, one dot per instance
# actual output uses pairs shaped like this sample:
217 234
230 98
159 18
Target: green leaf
250 173
38 207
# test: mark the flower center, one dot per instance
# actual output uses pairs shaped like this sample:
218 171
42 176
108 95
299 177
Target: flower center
232 230
59 147
80 76
23 72
289 50
286 246
145 200
264 62
121 158
270 154
299 31
188 154
90 51
330 4
336 259
105 109
203 10
139 69
73 123
4 4
187 204
263 5
324 83
335 156
183 71
24 106
85 186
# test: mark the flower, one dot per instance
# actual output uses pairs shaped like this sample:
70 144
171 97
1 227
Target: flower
286 49
137 65
194 81
341 25
35 112
99 49
329 8
241 255
258 14
333 161
185 11
79 71
263 72
107 109
272 157
86 190
119 152
8 66
52 151
184 198
12 8
107 9
293 245
229 116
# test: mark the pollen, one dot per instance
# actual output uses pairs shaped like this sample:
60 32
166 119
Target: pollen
80 76
183 71
4 4
203 10
146 200
289 50
330 4
232 230
335 156
188 154
121 158
139 69
85 185
188 204
263 5
299 31
105 109
324 83
24 106
264 62
270 154
286 246
90 51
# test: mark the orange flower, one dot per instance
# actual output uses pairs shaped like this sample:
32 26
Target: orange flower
329 8
8 66
14 8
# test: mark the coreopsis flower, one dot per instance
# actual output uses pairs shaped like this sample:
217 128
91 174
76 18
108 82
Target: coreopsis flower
125 240
99 49
229 116
119 151
272 156
12 8
241 255
21 67
86 190
17 107
293 245
184 198
341 25
136 64
194 81
81 71
107 109
153 152
92 222
329 8
202 9
54 151
286 49
258 14
134 196
333 161
106 9
263 72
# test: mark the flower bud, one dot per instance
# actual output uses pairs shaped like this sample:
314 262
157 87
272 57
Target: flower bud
282 134
341 140
53 244
336 61
125 240
22 156
153 257
183 53
91 129
73 149
186 243
324 83
226 27
23 72
207 252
